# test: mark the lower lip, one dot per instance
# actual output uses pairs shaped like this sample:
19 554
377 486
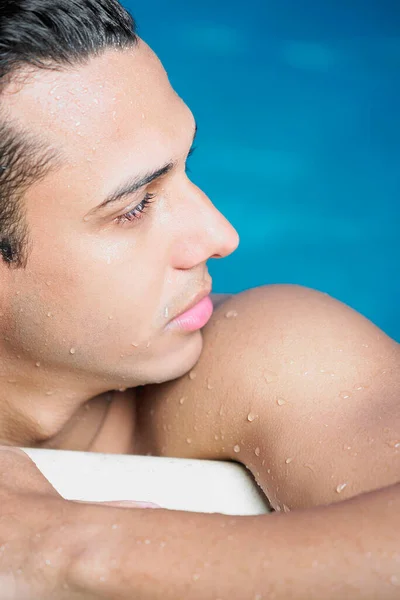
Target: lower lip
195 318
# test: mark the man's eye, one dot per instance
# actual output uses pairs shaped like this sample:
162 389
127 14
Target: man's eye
137 212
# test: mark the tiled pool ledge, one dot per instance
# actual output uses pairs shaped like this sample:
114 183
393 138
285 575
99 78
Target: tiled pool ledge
173 483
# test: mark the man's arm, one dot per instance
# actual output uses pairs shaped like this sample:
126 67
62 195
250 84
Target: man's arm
51 549
346 550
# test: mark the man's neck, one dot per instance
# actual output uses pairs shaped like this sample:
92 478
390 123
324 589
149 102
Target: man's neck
36 405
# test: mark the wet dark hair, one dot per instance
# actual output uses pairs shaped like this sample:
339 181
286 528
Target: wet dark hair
51 35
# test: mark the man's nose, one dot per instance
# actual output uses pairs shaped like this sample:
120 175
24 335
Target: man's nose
204 232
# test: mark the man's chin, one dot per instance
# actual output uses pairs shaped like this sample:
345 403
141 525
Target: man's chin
178 361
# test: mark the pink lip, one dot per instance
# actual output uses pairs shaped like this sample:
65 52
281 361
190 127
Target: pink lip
195 318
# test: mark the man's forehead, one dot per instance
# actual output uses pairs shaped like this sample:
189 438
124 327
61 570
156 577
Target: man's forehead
118 88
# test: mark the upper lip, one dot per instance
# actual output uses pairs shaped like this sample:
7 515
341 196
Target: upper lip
196 299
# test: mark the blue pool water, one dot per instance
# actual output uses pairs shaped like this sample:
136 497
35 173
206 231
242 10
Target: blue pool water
298 106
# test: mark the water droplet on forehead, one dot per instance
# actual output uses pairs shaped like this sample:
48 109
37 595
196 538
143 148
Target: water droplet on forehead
281 401
289 460
257 451
236 448
110 318
72 351
270 377
135 345
345 395
394 443
49 314
38 364
341 487
192 375
232 314
251 417
182 401
166 312
188 441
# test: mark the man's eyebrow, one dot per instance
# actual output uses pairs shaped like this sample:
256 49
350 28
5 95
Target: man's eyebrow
136 182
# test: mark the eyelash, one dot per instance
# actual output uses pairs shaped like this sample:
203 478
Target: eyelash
140 209
137 212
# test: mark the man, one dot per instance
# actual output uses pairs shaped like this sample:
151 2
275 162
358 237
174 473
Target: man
108 344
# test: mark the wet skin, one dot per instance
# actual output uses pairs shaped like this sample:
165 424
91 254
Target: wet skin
292 384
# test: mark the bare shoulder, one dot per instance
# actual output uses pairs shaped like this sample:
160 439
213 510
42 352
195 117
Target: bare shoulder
295 385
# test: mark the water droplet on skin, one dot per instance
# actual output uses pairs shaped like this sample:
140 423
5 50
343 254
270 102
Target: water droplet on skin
192 375
236 449
281 401
341 487
221 411
122 389
188 441
270 377
135 345
394 443
38 364
11 381
251 417
49 393
110 318
345 395
147 542
288 461
163 544
332 374
148 345
209 386
263 463
166 313
231 314
286 509
216 438
72 351
196 577
182 401
257 451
